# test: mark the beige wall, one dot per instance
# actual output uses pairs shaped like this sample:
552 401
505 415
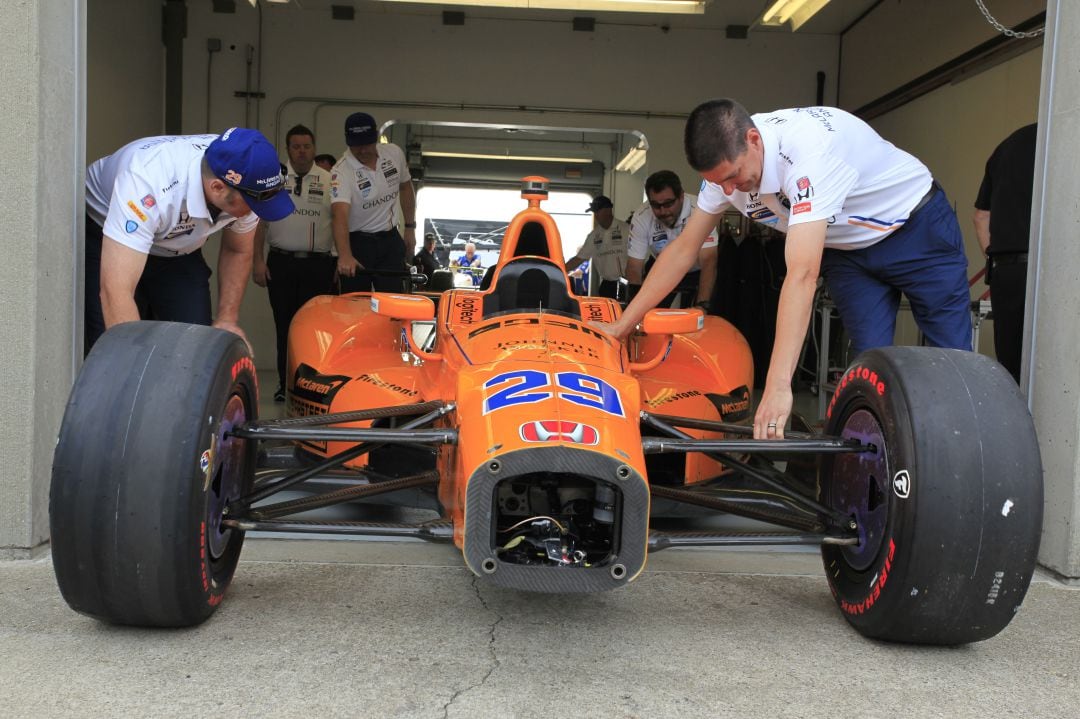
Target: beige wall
124 74
41 53
903 39
395 55
954 129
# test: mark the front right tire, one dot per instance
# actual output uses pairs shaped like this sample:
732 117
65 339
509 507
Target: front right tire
948 506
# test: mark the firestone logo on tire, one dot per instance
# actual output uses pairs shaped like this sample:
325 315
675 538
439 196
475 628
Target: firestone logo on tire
901 484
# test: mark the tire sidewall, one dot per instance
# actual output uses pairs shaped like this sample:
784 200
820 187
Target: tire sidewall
864 596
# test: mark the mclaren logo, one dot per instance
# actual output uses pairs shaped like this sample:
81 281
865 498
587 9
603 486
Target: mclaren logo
555 430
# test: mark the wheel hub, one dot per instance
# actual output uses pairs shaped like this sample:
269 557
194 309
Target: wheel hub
859 487
228 475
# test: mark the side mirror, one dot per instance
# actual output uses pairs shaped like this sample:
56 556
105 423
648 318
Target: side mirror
411 308
659 322
672 322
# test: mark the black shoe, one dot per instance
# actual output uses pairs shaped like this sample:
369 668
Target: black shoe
279 395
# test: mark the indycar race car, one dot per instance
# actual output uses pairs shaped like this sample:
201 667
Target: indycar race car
546 446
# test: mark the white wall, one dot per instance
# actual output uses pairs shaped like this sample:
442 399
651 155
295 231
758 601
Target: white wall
393 56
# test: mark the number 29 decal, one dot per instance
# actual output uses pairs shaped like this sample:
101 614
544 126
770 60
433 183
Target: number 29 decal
528 386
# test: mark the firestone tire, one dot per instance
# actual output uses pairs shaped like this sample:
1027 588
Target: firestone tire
143 469
949 507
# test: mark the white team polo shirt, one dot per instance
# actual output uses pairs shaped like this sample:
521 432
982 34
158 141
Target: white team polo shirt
148 195
649 236
371 194
307 229
821 163
607 249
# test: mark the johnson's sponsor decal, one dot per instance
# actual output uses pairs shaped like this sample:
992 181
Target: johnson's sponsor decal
135 209
554 430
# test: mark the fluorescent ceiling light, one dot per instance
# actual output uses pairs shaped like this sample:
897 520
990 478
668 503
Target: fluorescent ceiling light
663 7
482 156
633 160
795 11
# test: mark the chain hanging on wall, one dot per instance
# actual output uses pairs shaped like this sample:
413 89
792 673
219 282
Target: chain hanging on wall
1001 28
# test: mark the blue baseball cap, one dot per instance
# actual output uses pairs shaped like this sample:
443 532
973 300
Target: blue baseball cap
246 161
360 130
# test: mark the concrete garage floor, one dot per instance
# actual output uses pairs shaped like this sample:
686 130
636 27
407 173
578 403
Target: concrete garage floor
402 629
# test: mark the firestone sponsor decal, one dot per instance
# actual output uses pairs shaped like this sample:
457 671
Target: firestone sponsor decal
379 382
669 395
858 374
242 364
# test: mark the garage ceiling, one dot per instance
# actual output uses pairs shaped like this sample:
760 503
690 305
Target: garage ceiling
833 19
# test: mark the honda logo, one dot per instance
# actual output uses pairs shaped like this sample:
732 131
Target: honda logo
555 430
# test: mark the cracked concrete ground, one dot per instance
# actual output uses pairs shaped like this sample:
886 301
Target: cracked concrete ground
386 629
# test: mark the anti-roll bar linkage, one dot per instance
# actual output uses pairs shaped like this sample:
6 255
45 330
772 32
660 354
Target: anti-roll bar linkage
369 439
838 519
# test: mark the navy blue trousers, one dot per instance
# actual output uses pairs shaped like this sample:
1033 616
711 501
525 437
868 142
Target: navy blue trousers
174 289
925 261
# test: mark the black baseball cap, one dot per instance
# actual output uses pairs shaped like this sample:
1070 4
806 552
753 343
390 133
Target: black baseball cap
600 202
360 130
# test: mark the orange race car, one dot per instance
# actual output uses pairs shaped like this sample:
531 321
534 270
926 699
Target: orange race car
546 446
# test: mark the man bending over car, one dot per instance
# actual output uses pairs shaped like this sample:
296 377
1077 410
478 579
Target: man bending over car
866 215
150 208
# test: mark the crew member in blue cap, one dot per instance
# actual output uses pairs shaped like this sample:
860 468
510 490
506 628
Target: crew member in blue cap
150 208
366 186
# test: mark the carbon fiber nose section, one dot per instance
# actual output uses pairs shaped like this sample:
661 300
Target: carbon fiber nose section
632 523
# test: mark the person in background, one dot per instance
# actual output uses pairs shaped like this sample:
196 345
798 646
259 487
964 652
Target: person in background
657 224
1003 227
606 246
425 260
366 186
299 265
469 261
326 162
